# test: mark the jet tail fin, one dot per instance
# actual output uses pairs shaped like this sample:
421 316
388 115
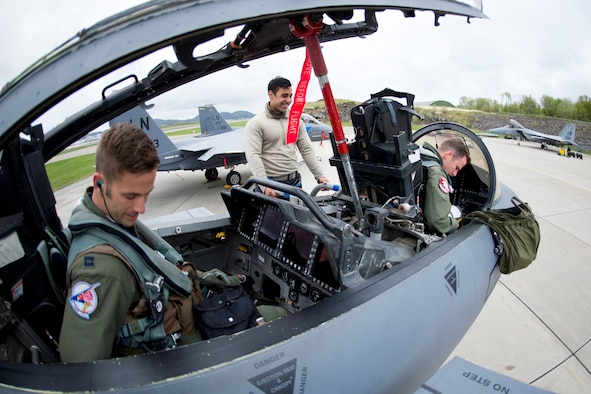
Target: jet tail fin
568 132
140 117
211 121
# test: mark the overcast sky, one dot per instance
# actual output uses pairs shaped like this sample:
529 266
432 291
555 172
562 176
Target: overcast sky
527 47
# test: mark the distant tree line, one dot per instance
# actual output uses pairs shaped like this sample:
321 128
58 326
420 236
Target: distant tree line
548 106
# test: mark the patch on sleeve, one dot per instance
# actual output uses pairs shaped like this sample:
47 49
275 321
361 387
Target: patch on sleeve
84 299
444 185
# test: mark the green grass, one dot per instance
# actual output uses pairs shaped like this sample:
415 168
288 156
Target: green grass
190 130
65 172
242 123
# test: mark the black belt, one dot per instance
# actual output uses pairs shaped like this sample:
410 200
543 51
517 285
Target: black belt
287 177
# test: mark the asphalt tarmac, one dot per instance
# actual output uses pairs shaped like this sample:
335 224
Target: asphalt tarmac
536 326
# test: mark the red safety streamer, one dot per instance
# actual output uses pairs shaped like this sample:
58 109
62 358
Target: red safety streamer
299 101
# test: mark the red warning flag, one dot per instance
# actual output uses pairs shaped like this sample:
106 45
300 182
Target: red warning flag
299 101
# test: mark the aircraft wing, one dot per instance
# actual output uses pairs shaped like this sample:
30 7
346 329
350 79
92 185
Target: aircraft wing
546 138
229 142
532 135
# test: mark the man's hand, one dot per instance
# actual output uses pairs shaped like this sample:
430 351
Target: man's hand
270 192
323 180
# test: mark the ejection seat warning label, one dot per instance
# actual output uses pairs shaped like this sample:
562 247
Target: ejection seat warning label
279 380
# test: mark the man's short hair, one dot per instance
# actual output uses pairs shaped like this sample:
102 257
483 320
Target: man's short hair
125 148
457 146
278 82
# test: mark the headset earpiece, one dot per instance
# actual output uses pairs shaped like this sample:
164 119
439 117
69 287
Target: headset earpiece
99 184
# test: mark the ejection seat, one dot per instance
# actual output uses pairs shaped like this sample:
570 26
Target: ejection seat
33 265
386 163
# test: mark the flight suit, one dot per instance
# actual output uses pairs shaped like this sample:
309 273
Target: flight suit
106 294
90 334
435 201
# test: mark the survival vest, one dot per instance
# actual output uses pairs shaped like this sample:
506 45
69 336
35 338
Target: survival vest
428 159
153 260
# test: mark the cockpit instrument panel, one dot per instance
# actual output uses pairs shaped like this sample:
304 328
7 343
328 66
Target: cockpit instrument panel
288 249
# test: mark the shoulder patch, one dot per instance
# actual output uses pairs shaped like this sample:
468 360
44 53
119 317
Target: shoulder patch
84 299
444 185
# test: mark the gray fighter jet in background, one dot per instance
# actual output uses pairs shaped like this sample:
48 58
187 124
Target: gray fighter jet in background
520 132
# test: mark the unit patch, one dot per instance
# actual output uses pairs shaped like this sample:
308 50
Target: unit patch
444 185
84 300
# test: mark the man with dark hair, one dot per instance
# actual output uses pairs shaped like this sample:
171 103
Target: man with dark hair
267 152
441 163
117 302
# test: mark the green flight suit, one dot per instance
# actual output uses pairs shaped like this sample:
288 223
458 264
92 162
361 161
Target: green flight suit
90 339
89 329
435 203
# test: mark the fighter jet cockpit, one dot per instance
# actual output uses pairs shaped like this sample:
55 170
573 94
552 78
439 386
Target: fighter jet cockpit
307 247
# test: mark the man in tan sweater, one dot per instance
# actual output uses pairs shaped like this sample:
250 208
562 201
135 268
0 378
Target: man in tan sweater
266 149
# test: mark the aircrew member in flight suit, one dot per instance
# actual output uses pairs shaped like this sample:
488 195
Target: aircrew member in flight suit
124 297
439 164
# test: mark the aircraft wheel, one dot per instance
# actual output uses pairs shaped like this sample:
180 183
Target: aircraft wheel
233 178
211 174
